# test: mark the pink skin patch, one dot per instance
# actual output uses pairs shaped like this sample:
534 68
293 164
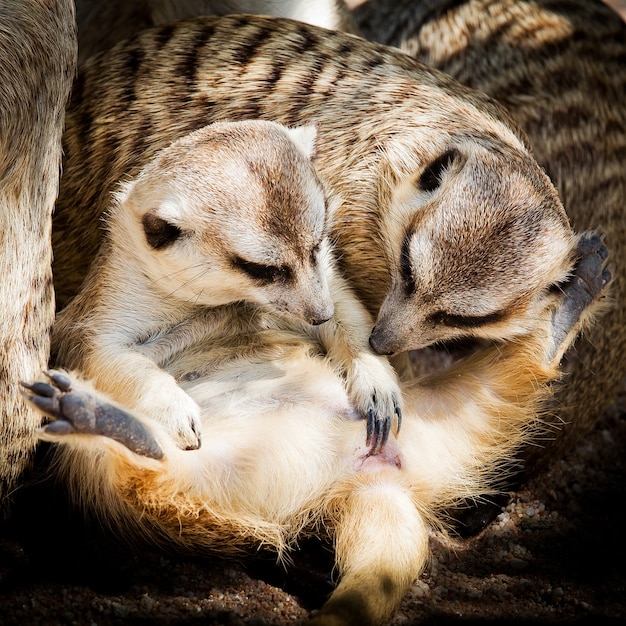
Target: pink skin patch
388 457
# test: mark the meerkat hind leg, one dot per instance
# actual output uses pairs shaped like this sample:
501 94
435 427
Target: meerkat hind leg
80 411
589 278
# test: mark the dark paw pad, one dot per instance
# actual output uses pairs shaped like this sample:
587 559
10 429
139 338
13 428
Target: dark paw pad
589 279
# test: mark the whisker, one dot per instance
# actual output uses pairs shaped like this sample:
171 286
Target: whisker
190 280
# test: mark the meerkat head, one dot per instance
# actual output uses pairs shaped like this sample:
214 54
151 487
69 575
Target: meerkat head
232 212
479 239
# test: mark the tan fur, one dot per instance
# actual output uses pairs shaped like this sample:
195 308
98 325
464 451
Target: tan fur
103 23
37 61
232 213
559 69
283 454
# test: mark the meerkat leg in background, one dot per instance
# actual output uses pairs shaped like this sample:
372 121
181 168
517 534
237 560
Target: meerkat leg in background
37 65
102 23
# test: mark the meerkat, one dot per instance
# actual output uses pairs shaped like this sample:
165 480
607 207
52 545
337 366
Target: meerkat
558 69
102 24
37 65
232 214
283 454
423 175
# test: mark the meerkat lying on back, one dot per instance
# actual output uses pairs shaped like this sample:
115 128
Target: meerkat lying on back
283 452
232 213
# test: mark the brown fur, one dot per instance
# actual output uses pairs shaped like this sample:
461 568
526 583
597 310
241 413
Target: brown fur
37 64
560 70
103 23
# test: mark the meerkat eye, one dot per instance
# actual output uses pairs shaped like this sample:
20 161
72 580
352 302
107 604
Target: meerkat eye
405 264
466 321
264 273
433 174
159 233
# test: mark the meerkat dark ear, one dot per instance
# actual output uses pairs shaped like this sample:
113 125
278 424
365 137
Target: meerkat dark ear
433 173
159 232
306 138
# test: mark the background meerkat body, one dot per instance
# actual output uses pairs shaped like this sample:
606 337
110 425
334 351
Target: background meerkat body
102 24
37 64
558 67
403 118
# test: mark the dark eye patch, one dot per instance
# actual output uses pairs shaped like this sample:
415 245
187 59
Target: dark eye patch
263 273
159 232
466 321
405 264
432 175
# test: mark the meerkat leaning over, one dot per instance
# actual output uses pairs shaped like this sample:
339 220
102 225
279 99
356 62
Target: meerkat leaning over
283 453
558 69
434 195
232 214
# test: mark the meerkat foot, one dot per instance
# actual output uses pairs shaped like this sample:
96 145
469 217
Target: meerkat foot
80 411
377 397
586 285
379 424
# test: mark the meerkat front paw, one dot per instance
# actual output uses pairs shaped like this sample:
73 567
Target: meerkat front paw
586 286
176 411
374 390
78 411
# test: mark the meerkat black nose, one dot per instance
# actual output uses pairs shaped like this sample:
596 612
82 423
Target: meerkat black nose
317 321
377 345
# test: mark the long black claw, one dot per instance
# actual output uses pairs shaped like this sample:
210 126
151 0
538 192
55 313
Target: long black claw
399 421
62 381
371 425
386 429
